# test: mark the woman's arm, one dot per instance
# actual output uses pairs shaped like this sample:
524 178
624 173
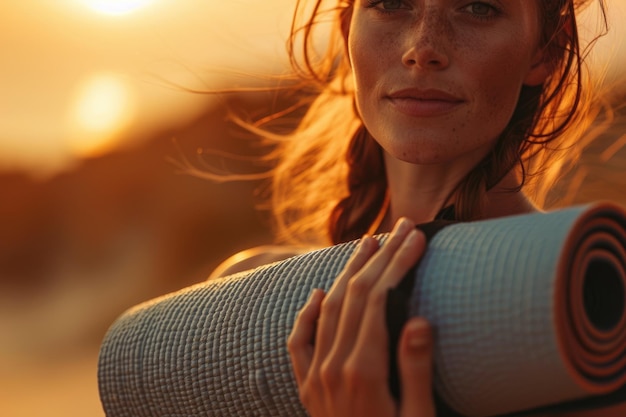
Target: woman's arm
255 257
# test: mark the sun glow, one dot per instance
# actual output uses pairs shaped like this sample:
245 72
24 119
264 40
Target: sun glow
116 7
103 106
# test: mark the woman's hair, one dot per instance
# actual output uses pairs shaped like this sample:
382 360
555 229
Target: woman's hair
329 183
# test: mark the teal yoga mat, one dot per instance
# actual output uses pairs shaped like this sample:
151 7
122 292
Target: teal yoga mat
529 313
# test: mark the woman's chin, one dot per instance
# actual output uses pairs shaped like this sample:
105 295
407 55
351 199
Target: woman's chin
436 151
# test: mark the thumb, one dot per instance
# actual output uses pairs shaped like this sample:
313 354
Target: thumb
415 360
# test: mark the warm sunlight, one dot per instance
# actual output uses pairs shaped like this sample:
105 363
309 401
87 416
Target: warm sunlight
116 7
103 106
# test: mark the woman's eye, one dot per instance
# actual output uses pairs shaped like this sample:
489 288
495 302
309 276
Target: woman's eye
391 4
387 5
481 10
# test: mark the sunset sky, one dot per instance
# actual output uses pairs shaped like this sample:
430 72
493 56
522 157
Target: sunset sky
80 77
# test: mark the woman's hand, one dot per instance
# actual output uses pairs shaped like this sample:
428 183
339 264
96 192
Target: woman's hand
339 345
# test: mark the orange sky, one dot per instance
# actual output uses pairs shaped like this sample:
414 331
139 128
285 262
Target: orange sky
76 80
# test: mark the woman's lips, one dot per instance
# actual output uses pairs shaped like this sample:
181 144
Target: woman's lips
424 103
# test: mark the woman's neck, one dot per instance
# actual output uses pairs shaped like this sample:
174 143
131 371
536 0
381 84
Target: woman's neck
420 192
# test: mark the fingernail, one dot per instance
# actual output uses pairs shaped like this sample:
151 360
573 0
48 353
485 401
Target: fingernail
365 242
402 225
316 294
419 334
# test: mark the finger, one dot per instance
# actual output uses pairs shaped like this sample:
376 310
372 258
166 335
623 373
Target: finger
362 253
403 259
333 302
300 341
359 289
415 360
373 320
376 265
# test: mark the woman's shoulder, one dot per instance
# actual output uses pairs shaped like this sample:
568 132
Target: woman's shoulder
254 257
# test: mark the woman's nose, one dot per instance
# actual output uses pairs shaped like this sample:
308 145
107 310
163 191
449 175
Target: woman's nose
427 42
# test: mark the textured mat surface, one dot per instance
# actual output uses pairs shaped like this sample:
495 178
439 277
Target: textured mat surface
528 311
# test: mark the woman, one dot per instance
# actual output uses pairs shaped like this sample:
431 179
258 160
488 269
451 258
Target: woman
422 109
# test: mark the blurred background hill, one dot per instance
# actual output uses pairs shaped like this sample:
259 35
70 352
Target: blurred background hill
78 248
94 214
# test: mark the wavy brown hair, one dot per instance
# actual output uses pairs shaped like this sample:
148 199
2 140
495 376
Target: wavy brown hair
329 184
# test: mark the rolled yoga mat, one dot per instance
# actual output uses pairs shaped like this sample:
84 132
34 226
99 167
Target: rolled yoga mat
529 313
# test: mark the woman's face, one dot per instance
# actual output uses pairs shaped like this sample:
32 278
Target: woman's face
438 80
